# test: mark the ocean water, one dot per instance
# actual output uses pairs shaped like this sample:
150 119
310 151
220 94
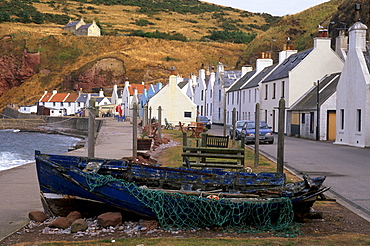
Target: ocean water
18 148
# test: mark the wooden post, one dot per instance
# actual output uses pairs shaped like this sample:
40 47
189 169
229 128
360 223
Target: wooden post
134 131
159 122
145 115
91 135
234 125
280 147
184 139
257 135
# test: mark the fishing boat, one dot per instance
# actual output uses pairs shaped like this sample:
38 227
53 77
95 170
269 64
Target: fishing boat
89 185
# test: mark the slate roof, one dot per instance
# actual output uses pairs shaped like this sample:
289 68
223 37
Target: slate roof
328 86
84 26
367 56
182 84
282 71
259 77
241 81
73 23
230 77
83 98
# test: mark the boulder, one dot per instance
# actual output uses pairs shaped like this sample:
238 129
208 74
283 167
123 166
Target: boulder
79 225
110 219
37 216
75 215
61 222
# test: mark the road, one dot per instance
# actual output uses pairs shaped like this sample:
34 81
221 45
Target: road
347 168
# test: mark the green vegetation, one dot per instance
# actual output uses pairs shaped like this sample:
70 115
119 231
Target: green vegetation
143 22
160 35
237 36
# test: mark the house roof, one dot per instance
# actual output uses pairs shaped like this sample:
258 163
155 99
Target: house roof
84 26
327 87
46 97
230 77
237 85
73 23
139 88
72 97
83 98
259 77
58 97
183 83
367 56
282 71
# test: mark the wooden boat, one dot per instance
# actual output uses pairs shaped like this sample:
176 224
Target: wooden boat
94 185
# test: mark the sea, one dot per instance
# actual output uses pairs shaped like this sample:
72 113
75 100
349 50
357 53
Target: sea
18 148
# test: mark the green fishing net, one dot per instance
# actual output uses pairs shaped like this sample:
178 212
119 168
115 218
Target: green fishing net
177 211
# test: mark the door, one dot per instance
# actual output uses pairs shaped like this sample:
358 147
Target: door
331 125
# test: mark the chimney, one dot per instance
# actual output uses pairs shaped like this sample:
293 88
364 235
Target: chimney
341 44
263 62
246 69
101 93
287 51
54 92
127 83
357 37
80 91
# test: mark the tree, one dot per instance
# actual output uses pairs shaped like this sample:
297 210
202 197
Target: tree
38 18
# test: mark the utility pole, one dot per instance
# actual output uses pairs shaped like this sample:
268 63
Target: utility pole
234 124
159 122
318 111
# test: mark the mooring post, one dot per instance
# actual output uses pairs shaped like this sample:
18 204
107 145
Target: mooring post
91 135
280 147
257 135
233 120
134 131
159 122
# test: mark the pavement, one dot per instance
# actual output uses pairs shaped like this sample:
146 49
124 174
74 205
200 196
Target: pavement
20 192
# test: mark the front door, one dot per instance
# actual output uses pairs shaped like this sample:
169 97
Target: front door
331 125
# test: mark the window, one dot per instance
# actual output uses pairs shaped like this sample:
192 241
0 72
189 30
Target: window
249 95
358 120
210 94
312 122
219 95
187 114
273 90
201 95
219 113
218 81
303 119
266 91
69 104
342 119
232 98
54 104
243 96
61 104
282 88
266 115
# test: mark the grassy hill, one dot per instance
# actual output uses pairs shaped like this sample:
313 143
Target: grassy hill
148 59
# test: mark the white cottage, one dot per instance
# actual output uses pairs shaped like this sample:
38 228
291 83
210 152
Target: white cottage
176 106
353 92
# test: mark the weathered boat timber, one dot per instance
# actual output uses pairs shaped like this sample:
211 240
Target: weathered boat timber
89 185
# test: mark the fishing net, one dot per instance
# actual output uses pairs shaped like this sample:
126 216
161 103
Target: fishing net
177 211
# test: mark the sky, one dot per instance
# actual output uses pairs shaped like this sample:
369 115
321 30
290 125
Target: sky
273 7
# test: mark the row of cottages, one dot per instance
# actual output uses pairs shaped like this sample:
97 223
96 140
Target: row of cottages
64 104
133 93
291 79
80 28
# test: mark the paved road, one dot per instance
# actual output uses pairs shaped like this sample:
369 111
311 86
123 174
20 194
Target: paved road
347 168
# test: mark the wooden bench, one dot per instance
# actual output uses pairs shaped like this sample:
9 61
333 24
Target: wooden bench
215 141
215 155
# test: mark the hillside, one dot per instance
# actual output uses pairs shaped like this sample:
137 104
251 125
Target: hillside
37 57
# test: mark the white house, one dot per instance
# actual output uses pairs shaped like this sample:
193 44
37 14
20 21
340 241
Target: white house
294 76
353 92
200 92
176 106
302 115
60 103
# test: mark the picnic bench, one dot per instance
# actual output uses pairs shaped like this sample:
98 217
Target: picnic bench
213 151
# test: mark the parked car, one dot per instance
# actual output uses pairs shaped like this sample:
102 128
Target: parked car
207 122
238 129
249 130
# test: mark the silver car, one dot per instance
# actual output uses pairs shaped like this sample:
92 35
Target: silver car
249 130
238 129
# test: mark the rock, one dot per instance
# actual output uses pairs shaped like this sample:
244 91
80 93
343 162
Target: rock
37 216
110 219
75 215
79 225
61 222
